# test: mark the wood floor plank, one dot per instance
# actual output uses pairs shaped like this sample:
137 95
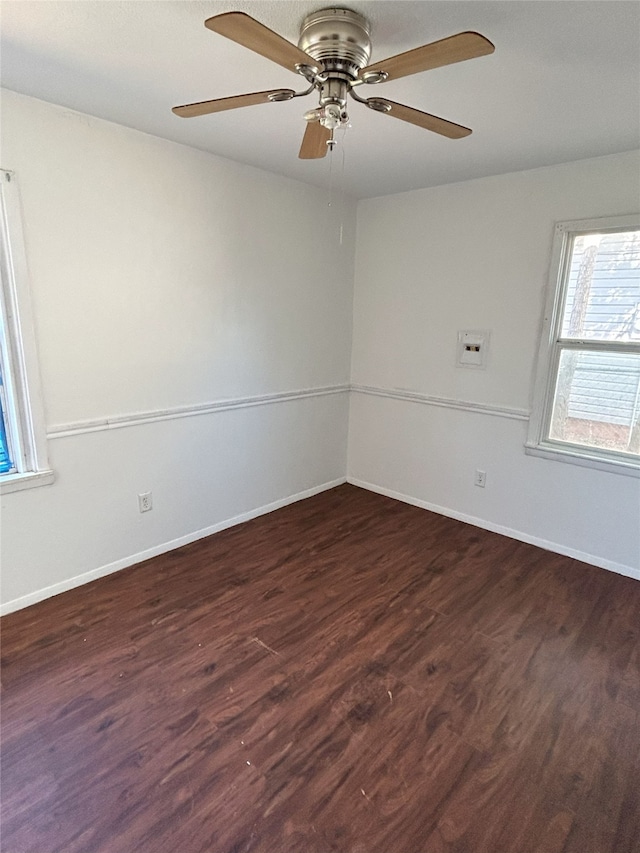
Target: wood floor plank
608 817
346 674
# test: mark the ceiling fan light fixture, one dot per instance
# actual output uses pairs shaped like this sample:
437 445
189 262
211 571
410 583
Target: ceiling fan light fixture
332 116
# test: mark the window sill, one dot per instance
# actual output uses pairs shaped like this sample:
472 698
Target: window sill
17 482
576 456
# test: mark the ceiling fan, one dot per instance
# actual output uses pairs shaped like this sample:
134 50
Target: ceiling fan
332 55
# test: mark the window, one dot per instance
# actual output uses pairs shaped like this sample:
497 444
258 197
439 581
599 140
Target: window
587 396
23 459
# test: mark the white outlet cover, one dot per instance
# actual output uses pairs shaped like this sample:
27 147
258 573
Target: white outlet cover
145 501
472 348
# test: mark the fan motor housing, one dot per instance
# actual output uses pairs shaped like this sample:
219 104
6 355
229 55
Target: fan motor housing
338 38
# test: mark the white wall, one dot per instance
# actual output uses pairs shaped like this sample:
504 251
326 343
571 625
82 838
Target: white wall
475 255
165 280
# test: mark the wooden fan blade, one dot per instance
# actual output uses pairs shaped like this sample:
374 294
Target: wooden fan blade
248 32
456 48
314 142
219 104
417 117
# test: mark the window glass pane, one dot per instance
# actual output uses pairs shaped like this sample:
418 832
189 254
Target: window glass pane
5 458
597 400
603 293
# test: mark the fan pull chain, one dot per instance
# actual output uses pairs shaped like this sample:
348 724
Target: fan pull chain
332 187
344 136
331 147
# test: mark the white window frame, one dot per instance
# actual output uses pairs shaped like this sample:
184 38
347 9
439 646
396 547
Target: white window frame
538 441
25 412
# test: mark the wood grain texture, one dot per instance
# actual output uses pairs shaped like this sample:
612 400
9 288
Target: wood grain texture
456 48
314 142
220 104
249 33
345 674
422 119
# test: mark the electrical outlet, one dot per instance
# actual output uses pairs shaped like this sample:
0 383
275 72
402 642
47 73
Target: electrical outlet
481 478
145 502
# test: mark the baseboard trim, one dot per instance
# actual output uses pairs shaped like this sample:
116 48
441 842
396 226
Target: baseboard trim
555 547
163 548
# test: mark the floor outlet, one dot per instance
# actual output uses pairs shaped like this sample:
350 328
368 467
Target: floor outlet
145 502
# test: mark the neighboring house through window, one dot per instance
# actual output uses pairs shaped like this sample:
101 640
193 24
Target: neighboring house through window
23 450
587 397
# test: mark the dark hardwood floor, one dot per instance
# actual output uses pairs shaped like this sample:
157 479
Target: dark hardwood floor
346 674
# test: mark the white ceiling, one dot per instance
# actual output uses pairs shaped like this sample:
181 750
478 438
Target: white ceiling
563 84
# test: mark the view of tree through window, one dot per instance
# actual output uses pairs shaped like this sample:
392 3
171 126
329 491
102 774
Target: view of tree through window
597 395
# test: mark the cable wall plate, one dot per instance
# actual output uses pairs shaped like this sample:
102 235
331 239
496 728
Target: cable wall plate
472 348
